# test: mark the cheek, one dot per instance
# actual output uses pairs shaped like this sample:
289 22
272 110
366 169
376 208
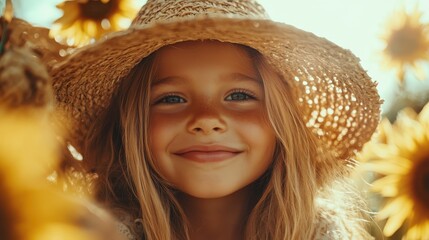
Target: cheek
259 137
254 127
162 128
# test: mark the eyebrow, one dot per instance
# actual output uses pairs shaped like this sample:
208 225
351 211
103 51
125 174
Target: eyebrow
166 80
232 76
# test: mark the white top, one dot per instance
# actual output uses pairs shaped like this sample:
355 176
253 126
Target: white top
332 223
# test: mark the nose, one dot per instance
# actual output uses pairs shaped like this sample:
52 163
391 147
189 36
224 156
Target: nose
207 126
206 121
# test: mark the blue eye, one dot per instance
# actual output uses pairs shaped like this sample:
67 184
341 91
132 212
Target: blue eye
171 99
240 95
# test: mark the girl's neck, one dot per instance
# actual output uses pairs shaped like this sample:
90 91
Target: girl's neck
221 218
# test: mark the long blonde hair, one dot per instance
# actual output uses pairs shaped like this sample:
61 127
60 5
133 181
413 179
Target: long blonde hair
285 205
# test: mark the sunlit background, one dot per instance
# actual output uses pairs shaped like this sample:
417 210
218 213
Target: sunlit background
391 37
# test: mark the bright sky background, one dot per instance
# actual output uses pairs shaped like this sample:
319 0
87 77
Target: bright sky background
353 24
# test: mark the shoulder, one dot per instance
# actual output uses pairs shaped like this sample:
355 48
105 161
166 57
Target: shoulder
128 227
339 220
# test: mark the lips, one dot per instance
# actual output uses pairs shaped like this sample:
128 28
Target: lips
208 153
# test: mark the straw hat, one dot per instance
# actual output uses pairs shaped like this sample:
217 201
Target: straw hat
339 101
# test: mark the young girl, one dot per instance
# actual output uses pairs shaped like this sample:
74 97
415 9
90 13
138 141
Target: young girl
207 120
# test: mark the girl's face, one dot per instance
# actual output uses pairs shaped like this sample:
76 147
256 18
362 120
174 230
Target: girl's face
208 130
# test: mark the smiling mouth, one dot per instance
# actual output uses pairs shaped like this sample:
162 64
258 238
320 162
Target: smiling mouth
208 156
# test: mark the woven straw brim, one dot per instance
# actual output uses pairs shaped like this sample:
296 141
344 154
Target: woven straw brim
339 101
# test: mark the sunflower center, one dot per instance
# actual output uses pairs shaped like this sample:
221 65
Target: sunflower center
421 183
405 42
97 9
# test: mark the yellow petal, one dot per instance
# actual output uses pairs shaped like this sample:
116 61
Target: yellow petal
418 231
413 233
404 140
407 121
419 72
395 221
425 229
398 165
90 28
424 116
385 151
405 114
374 150
400 74
391 207
384 129
387 186
68 19
128 8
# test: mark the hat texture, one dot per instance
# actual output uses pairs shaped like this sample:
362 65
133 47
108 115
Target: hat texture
337 98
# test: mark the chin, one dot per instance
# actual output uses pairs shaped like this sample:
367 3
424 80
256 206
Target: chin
210 192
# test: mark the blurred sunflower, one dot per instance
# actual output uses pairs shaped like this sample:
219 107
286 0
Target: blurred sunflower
86 20
401 155
406 43
31 207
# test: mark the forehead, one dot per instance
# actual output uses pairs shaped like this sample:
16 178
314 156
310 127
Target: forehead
200 54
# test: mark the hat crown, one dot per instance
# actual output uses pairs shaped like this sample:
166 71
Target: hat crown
173 10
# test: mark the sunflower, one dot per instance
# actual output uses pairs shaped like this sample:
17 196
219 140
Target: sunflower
87 20
31 207
406 43
401 155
